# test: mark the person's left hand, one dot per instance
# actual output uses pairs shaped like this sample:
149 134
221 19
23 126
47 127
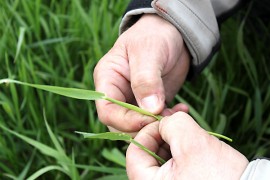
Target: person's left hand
146 66
191 152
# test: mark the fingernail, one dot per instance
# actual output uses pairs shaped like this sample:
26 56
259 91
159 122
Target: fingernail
150 103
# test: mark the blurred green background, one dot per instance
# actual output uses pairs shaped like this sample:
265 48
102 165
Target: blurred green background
59 43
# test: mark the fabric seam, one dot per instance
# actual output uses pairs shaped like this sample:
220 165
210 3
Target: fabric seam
182 31
198 18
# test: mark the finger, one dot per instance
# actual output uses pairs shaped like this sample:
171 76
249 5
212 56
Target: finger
183 135
178 107
154 77
193 148
111 76
167 112
146 80
181 107
139 163
147 61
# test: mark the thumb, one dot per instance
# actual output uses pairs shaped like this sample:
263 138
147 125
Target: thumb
147 84
184 135
148 52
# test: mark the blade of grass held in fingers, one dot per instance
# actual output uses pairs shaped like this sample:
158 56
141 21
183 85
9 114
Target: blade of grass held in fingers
220 136
134 108
92 95
81 94
68 92
214 134
107 135
122 137
162 161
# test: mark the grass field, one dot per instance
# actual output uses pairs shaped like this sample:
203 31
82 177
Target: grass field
48 42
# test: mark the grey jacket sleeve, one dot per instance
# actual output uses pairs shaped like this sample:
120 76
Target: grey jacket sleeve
196 21
257 169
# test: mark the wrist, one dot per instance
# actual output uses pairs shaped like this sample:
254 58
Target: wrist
156 21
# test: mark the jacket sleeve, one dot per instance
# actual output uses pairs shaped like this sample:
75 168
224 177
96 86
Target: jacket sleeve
196 20
257 169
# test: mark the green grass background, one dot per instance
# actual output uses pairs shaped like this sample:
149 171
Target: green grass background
59 43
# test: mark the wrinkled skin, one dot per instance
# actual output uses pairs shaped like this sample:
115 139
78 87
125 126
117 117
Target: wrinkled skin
191 152
145 67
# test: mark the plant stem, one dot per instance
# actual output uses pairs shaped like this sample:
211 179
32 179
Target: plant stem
161 161
134 108
220 136
157 117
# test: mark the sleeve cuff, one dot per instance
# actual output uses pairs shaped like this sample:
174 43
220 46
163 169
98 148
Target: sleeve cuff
196 22
132 16
257 169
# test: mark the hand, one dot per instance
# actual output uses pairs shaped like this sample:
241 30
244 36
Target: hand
191 152
146 66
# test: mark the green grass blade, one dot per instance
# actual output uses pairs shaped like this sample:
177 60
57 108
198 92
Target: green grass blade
73 172
103 169
122 137
20 41
50 42
68 92
220 136
52 136
115 156
221 124
59 156
41 147
114 177
58 153
108 135
26 168
8 176
132 107
162 161
46 169
81 94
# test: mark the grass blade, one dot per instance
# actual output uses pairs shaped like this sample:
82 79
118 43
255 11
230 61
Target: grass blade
103 169
114 177
220 136
134 108
114 136
122 137
52 136
20 41
81 94
72 171
41 147
26 168
68 92
115 156
44 170
162 161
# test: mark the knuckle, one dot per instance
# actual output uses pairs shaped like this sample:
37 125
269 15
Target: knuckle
133 123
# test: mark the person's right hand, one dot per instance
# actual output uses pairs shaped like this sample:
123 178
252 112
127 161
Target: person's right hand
191 152
146 66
